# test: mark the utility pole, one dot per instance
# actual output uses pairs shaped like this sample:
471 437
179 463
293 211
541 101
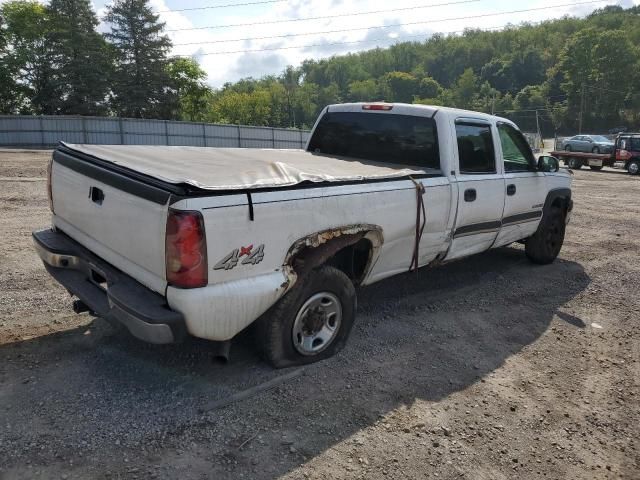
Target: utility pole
538 127
493 105
581 109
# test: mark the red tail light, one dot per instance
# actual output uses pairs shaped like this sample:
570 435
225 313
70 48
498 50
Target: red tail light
377 106
186 249
49 191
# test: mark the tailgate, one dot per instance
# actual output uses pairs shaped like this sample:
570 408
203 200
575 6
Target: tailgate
119 219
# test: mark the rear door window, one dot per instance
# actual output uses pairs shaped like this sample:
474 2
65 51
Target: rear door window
381 137
475 148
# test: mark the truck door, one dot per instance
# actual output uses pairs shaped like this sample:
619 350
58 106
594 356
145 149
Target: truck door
480 189
525 187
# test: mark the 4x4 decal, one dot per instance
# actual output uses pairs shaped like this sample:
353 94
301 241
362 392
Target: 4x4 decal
252 257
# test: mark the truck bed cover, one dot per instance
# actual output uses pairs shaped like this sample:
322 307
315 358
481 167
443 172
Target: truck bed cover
240 168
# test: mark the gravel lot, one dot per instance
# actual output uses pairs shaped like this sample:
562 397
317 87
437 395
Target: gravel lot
488 368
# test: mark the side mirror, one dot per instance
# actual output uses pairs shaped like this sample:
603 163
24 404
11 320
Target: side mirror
547 163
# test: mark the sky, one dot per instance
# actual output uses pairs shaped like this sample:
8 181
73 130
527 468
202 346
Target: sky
233 50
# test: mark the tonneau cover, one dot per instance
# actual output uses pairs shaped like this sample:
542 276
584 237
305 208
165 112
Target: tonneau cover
239 168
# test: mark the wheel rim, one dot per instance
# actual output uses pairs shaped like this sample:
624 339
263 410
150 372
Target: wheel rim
633 168
317 323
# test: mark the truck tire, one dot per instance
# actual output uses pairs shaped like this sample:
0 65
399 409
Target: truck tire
575 163
544 246
633 167
311 322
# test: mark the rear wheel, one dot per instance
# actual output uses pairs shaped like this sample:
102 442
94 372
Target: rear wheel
311 322
544 246
633 167
575 163
596 167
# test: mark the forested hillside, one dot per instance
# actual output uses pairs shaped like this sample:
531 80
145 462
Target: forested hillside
52 61
512 72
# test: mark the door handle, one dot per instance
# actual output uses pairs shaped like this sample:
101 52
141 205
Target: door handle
511 189
470 195
96 195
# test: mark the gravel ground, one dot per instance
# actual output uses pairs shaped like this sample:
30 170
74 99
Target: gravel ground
487 368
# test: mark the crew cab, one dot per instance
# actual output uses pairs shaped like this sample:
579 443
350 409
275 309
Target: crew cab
176 241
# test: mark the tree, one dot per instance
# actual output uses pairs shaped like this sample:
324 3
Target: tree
140 82
187 80
81 60
28 59
399 87
465 89
429 88
364 90
598 61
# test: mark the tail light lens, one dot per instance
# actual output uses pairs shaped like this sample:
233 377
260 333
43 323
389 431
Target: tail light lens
186 249
385 107
49 191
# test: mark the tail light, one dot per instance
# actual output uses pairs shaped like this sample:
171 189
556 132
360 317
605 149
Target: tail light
49 191
186 249
377 106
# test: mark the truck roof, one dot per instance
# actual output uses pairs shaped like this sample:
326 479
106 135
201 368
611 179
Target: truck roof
238 168
417 109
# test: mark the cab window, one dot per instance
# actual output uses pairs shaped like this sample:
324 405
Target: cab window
475 148
516 152
389 138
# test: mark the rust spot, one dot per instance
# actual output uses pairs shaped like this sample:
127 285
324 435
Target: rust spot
313 250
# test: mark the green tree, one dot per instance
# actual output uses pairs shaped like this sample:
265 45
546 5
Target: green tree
140 80
429 88
27 59
364 90
465 89
242 108
82 58
187 80
399 87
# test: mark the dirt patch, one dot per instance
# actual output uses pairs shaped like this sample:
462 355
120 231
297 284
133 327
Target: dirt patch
490 367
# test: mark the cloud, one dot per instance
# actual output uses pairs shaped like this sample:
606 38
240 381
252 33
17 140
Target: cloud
227 67
258 64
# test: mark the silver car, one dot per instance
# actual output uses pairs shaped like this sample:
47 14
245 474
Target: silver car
587 143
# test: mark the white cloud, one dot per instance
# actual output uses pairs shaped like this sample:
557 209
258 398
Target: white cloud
227 67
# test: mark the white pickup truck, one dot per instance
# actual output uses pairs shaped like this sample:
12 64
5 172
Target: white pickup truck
176 241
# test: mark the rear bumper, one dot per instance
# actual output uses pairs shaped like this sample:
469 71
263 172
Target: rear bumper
107 291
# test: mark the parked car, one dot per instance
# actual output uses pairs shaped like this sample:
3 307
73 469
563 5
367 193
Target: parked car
171 241
587 143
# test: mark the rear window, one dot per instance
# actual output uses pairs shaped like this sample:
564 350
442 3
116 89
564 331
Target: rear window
389 138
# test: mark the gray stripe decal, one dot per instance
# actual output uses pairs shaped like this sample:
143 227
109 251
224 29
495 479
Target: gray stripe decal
488 227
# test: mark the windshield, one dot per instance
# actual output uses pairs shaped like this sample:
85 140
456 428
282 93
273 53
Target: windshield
600 138
389 138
